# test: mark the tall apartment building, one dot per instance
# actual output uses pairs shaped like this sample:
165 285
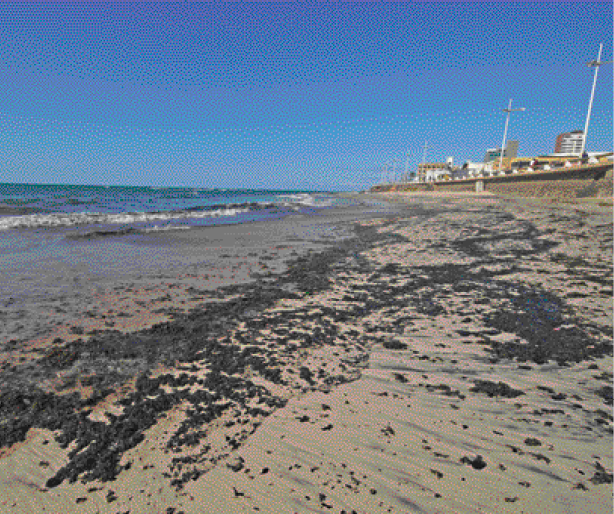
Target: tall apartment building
569 142
511 151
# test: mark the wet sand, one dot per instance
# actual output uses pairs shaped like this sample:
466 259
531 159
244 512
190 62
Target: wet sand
453 355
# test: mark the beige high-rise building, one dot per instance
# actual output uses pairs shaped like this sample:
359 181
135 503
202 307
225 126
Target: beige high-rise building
569 142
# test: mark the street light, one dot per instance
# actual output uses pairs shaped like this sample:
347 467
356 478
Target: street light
406 179
593 64
423 162
509 110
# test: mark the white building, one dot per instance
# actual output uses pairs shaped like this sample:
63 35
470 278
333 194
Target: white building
569 142
472 169
434 175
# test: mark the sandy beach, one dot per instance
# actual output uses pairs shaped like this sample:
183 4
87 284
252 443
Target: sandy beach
444 354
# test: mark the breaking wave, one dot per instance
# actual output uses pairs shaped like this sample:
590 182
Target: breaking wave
127 218
305 199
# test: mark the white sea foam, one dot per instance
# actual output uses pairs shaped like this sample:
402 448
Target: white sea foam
89 218
306 199
165 228
303 198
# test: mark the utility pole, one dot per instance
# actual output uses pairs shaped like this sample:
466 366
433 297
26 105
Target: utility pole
596 65
394 173
509 110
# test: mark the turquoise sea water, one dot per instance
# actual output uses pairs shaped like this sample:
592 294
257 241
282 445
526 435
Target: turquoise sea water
51 232
141 208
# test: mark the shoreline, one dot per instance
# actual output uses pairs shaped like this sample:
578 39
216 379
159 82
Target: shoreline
54 290
378 375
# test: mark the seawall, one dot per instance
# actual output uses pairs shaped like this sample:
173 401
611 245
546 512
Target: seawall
594 180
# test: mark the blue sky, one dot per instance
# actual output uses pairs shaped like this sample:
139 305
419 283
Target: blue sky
313 95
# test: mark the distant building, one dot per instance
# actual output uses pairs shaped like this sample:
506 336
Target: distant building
569 142
492 154
469 169
511 151
430 171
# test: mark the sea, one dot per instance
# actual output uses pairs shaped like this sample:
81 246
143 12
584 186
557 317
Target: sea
98 210
51 232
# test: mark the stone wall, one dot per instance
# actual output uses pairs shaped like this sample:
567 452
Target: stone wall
455 186
543 188
605 185
574 183
582 182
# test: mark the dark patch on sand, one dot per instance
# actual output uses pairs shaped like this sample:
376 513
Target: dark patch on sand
202 339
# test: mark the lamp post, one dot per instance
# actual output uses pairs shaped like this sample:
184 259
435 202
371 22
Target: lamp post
424 160
593 64
406 178
509 110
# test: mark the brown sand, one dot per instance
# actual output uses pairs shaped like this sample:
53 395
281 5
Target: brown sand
404 436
